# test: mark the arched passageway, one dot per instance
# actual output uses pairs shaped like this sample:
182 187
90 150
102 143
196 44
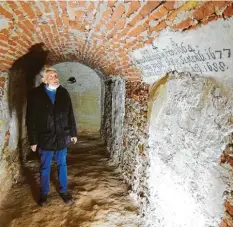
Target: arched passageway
85 96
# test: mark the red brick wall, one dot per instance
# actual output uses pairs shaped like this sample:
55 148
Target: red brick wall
112 28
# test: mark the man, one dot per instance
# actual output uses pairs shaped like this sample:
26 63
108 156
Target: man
51 126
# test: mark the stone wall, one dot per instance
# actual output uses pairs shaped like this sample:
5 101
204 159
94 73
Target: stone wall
126 133
134 158
113 115
106 126
13 139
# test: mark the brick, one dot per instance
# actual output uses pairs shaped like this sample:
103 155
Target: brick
184 24
19 15
55 9
82 3
65 20
159 27
159 13
123 32
119 11
29 24
109 26
75 25
12 42
224 223
8 62
229 207
3 37
5 31
205 10
106 14
169 5
134 5
46 6
230 160
223 158
228 12
37 11
91 7
6 13
22 44
149 7
111 3
219 4
149 41
137 18
44 27
79 15
63 5
58 22
120 25
27 9
2 44
73 4
3 51
172 15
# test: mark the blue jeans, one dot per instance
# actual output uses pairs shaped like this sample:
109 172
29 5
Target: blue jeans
45 166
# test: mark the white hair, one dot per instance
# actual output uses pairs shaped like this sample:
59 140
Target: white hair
43 73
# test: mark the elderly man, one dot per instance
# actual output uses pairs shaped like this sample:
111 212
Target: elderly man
51 126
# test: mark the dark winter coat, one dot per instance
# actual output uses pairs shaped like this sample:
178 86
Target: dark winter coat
49 125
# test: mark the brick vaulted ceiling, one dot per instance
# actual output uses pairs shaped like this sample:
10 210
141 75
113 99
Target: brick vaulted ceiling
99 34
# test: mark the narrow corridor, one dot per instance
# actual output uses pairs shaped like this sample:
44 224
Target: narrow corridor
100 196
154 78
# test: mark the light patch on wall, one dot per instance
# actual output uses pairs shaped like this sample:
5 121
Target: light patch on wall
3 23
181 16
187 135
207 51
4 111
84 86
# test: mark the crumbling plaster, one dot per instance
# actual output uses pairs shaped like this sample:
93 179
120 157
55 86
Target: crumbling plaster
189 129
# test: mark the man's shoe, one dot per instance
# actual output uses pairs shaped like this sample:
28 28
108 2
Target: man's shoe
42 200
67 198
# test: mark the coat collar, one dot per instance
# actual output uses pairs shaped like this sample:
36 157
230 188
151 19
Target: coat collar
42 85
42 90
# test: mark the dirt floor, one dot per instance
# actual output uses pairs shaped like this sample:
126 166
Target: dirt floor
100 196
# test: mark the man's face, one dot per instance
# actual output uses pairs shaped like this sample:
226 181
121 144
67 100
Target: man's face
52 78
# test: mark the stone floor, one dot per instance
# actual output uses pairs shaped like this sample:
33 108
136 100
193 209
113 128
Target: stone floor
100 196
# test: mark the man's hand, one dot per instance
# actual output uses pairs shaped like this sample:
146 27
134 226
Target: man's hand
33 147
74 140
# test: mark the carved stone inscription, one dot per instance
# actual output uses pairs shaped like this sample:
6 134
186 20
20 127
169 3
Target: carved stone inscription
183 57
195 51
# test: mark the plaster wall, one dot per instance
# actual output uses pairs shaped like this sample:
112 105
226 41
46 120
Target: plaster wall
85 94
206 51
189 128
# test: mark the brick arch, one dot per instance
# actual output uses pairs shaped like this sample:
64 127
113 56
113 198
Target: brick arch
99 34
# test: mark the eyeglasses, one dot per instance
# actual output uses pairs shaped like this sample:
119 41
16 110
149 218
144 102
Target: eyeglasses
53 76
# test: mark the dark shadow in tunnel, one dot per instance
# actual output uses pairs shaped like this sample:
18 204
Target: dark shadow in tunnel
21 79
